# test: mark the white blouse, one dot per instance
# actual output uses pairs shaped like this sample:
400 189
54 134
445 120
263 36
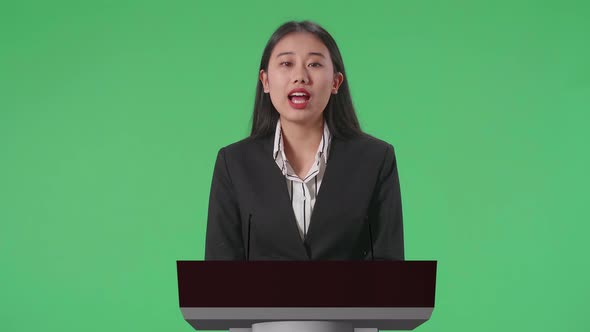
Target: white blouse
303 192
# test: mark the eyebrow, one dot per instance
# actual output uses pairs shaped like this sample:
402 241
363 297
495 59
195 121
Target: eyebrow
310 53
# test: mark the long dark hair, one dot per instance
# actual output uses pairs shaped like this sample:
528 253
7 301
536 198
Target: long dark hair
339 112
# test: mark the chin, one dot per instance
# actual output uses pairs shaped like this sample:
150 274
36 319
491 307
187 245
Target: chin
300 116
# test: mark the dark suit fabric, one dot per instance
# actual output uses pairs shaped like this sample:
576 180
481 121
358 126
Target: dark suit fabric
360 186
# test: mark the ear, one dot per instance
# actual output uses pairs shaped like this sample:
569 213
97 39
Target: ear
338 79
263 76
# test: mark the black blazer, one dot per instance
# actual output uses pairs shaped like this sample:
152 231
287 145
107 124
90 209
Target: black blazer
360 186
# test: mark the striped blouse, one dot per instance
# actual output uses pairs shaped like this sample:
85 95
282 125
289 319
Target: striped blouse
303 192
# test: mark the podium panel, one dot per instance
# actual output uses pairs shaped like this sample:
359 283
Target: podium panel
236 295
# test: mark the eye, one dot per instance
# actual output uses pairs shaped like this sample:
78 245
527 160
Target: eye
315 64
285 63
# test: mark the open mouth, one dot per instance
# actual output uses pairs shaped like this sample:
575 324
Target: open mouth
299 97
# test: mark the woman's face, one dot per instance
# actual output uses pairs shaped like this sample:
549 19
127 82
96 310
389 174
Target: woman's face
300 78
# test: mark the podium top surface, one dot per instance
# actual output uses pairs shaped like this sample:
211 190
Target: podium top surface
267 284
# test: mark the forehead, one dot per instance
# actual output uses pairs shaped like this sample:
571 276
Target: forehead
300 43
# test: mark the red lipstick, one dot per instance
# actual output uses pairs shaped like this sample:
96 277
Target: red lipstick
299 98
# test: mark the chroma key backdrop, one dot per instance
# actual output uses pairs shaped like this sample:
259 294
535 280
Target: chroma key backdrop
112 113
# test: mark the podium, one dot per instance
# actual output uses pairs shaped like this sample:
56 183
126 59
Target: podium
306 296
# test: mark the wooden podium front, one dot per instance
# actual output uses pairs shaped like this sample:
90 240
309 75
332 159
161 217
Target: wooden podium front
384 295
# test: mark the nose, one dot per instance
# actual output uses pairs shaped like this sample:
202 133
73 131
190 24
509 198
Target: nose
300 75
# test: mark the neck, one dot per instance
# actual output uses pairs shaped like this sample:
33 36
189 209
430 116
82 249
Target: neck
302 139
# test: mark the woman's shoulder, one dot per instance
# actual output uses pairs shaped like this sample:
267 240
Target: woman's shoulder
260 146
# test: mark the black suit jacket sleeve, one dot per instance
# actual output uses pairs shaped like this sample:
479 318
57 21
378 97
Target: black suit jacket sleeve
385 213
224 237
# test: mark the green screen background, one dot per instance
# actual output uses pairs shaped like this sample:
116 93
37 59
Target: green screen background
111 115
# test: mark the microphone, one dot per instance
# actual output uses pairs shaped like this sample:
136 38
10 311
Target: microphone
248 242
370 237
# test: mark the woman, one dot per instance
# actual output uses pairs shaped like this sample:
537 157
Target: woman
307 184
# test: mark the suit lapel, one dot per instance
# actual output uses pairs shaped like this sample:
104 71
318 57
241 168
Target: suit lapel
326 200
281 202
